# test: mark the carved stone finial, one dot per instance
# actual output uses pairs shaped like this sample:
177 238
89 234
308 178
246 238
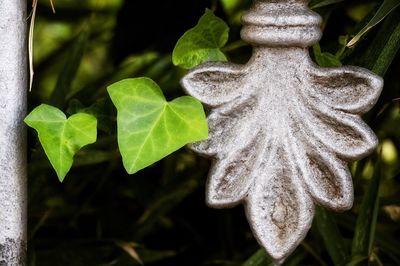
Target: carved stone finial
281 23
282 129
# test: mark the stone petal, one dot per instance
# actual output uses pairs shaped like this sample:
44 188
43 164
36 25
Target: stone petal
231 177
279 209
215 83
329 181
328 178
351 89
347 135
229 126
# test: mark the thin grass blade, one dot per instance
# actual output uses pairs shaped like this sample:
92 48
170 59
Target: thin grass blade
366 221
385 9
331 235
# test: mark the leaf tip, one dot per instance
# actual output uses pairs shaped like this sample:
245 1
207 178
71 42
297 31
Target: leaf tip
61 174
352 42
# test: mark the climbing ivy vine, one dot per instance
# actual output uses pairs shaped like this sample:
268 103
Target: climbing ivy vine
149 127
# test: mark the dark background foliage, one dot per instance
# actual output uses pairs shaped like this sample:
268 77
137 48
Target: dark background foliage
102 216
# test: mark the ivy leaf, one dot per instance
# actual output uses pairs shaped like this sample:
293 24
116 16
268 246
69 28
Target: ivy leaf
60 137
149 127
202 43
325 59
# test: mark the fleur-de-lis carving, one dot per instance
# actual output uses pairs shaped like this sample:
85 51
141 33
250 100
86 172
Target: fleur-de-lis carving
282 129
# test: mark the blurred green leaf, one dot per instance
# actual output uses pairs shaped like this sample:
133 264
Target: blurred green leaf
296 258
342 42
322 3
313 251
366 221
70 69
330 233
134 64
149 127
357 260
202 43
387 54
165 200
60 137
92 5
381 52
230 5
90 157
325 59
385 9
151 256
260 258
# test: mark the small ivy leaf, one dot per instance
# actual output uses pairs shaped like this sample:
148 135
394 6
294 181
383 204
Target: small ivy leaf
202 43
325 59
60 137
385 9
149 127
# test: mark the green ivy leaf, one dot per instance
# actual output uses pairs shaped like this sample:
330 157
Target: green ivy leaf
325 59
149 127
60 137
202 43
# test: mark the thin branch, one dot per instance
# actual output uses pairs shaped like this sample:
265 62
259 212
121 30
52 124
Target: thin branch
30 43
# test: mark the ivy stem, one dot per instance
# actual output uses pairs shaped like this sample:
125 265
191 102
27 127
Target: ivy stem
234 45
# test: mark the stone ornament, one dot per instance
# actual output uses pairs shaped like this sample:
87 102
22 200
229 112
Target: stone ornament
282 129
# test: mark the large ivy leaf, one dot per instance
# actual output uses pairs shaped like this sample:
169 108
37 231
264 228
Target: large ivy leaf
202 43
149 127
60 137
385 9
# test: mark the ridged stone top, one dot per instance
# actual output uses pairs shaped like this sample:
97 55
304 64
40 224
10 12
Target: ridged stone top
284 23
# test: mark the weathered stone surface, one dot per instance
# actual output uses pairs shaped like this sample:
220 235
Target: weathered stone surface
13 89
12 252
282 129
